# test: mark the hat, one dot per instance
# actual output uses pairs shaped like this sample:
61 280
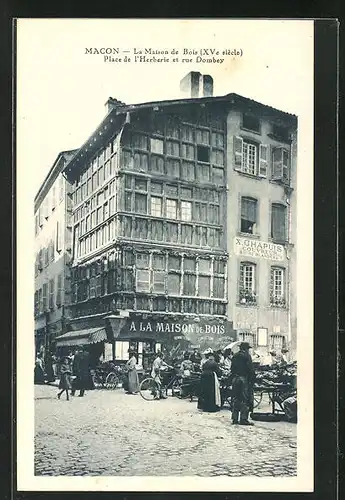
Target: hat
245 346
208 351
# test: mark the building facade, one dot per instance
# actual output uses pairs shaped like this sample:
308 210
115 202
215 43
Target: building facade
261 226
149 239
184 219
53 246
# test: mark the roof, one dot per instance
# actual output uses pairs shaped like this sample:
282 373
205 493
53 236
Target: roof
118 109
53 173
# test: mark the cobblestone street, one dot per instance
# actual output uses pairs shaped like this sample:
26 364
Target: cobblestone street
110 433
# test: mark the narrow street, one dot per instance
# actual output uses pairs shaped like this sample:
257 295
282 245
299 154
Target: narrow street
110 433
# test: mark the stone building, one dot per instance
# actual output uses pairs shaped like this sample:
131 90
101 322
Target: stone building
53 247
184 219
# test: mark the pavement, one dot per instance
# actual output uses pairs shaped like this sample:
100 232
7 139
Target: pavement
110 433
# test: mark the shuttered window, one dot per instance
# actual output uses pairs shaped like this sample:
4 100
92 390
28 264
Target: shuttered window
281 165
248 215
278 222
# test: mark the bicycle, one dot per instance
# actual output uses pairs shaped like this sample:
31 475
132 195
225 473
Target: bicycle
150 389
104 379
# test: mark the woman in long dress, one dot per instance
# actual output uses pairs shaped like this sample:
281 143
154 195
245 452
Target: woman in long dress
209 390
133 379
39 370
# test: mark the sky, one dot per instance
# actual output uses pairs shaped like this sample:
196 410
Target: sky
61 91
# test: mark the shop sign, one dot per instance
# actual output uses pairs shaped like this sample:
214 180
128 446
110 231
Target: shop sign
172 327
247 247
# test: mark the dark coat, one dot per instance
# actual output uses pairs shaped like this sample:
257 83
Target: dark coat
81 369
207 390
243 376
242 365
65 376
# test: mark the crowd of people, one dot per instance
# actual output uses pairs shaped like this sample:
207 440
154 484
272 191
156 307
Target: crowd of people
212 367
73 371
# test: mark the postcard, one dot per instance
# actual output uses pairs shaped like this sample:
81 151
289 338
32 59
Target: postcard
165 255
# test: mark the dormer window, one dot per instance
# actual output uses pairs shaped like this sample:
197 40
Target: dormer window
250 122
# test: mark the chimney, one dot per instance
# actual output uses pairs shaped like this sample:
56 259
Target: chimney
207 86
190 84
194 85
113 103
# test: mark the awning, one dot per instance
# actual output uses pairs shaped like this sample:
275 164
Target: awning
81 337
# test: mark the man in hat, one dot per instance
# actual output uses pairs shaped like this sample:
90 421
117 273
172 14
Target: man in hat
243 377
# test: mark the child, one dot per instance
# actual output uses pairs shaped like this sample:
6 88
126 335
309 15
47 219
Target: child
65 377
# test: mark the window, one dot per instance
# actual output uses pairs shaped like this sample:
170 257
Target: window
189 281
172 130
51 294
203 173
158 281
45 297
157 146
173 284
277 288
248 215
203 154
249 158
217 175
61 188
187 151
278 222
204 289
140 162
99 215
217 157
189 264
156 188
281 165
276 342
59 229
158 262
140 184
187 133
217 140
213 214
143 281
247 284
187 171
250 122
172 232
156 206
139 141
173 148
171 209
140 228
157 164
173 168
218 287
204 266
141 203
186 234
202 136
157 230
174 262
200 212
142 260
186 210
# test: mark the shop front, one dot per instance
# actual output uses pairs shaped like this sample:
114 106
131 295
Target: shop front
170 334
92 339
